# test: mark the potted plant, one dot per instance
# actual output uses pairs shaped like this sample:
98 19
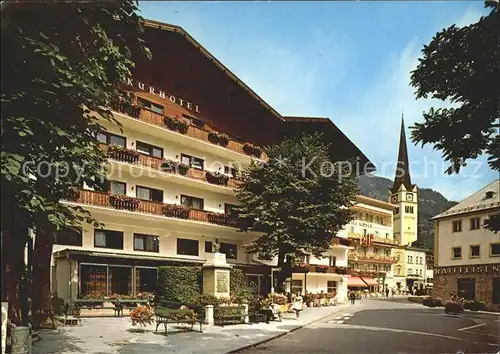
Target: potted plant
217 218
182 127
176 211
213 137
170 122
224 139
251 149
322 268
454 306
216 178
123 202
142 316
174 166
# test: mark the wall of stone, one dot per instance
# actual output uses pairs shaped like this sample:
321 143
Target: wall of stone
446 284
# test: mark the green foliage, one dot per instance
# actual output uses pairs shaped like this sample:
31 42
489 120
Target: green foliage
239 288
460 65
297 208
182 284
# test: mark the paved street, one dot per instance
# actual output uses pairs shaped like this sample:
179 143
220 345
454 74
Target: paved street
391 326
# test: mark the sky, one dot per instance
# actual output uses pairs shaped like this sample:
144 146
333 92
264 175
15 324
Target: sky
348 61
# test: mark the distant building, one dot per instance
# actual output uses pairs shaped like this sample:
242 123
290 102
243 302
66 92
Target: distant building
467 256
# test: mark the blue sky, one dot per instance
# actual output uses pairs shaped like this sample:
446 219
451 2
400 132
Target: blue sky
349 61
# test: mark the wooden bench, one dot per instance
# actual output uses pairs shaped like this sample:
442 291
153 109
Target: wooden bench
229 315
117 305
165 315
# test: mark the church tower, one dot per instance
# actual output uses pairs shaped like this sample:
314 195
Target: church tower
403 195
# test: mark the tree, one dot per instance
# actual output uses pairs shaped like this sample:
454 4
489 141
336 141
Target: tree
299 200
59 73
461 65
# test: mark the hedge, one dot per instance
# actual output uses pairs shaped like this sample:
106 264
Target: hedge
182 284
238 286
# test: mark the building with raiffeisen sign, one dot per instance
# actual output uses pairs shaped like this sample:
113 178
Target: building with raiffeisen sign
173 169
466 255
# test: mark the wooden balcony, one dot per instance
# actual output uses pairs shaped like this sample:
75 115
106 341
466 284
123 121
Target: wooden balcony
371 257
158 119
88 197
156 163
375 239
366 273
327 269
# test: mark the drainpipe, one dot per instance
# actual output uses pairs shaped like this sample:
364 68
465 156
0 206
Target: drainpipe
70 280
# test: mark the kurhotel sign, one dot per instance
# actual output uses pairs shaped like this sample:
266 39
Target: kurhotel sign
473 269
180 101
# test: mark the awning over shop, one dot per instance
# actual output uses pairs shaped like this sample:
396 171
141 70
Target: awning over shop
356 282
370 281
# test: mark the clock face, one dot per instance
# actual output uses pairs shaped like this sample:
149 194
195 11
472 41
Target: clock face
409 197
394 199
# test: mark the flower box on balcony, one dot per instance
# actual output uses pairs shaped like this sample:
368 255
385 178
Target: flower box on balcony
174 167
120 153
124 202
122 106
176 211
300 268
216 178
175 124
253 150
218 138
322 268
217 218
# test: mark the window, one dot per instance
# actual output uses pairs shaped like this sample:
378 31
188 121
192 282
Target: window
113 187
410 271
375 250
150 150
420 271
69 237
157 108
296 286
489 195
192 202
230 249
331 286
457 226
187 247
410 260
495 250
409 209
93 279
208 246
474 251
332 260
495 299
474 223
456 252
112 139
228 170
387 252
120 280
145 279
108 239
147 243
192 161
145 193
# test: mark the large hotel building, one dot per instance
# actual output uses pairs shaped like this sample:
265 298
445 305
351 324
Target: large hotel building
173 169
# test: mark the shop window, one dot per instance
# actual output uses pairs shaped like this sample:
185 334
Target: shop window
496 291
475 223
331 286
70 237
93 279
187 247
466 288
457 226
296 286
456 252
108 239
146 243
112 139
192 202
150 150
151 194
146 280
157 108
474 251
230 249
192 161
495 249
120 280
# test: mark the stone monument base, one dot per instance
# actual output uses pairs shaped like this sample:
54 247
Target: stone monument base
216 275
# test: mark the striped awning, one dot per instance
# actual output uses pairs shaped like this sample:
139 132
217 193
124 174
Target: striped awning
356 282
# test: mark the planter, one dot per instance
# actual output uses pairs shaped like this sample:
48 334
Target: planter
217 178
217 218
170 122
5 315
122 154
176 211
213 138
453 308
182 127
250 149
123 202
21 340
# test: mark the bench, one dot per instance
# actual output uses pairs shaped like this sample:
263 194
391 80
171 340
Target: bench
117 305
165 315
284 309
229 315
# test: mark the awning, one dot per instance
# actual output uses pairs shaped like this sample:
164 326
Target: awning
356 282
370 281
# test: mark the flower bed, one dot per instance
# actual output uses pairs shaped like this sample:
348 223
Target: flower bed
176 211
142 316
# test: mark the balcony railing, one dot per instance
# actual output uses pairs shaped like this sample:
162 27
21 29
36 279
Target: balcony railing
158 119
106 200
375 239
366 273
327 269
156 163
372 257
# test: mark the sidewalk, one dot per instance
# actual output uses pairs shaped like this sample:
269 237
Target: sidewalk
116 335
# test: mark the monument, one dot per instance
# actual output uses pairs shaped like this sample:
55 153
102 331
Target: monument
216 273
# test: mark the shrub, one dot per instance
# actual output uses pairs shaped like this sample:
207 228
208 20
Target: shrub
182 284
453 307
239 288
474 305
142 316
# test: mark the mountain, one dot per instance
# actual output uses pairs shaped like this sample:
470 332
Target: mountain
430 203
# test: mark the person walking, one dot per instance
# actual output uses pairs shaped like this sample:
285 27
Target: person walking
386 292
298 305
352 296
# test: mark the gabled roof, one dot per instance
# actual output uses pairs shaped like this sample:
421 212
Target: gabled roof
204 51
486 198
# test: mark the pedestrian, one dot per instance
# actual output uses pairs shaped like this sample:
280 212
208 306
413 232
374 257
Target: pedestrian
352 296
386 292
298 304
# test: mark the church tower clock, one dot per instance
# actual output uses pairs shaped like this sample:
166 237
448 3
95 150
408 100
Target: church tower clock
404 195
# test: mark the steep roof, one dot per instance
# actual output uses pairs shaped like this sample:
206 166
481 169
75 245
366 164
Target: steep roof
402 176
486 198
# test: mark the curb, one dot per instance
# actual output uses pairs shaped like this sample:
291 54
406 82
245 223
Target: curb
278 335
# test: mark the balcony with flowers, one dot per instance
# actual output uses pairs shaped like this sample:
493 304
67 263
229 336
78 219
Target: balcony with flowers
372 257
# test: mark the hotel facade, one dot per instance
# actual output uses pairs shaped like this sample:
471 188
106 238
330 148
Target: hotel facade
173 169
467 256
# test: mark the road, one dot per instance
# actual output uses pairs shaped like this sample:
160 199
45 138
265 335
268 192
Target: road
391 326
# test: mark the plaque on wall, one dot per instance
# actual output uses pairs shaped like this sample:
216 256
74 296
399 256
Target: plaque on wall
222 281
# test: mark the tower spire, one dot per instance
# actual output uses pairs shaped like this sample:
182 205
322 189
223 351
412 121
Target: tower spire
403 167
